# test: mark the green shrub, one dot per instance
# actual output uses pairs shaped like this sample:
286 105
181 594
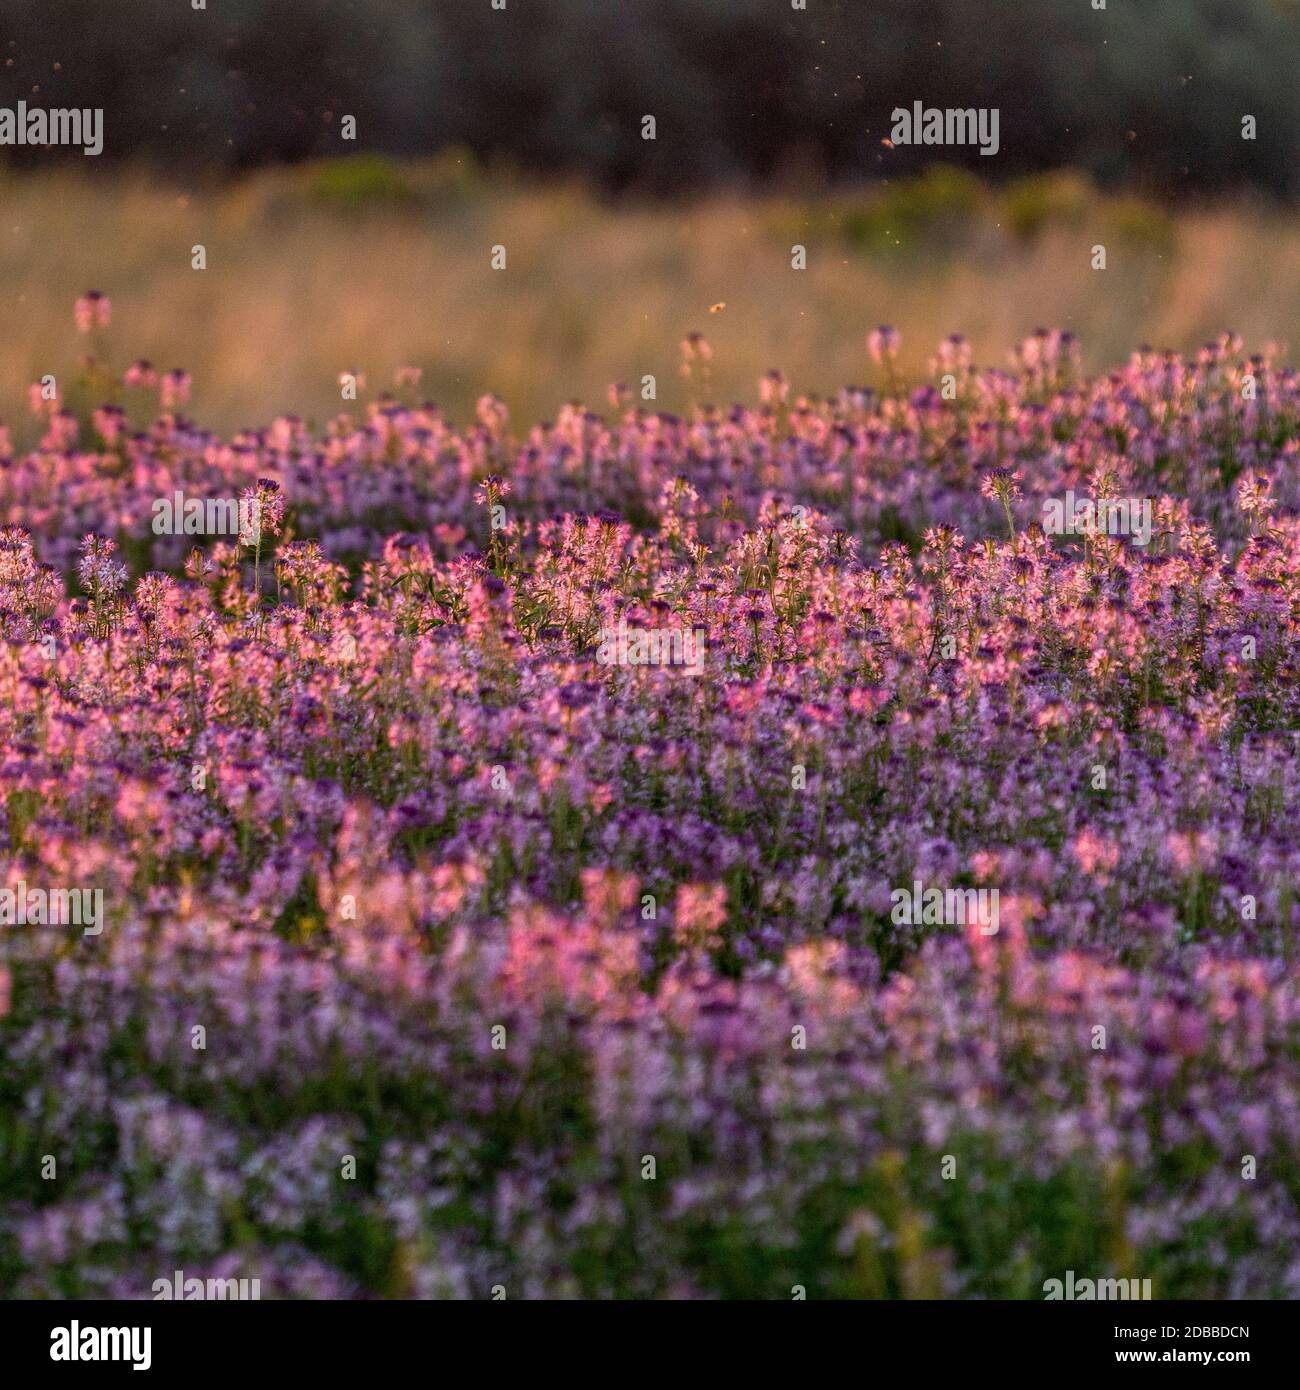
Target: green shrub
1042 200
359 182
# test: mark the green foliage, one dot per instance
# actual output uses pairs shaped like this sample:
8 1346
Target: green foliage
942 199
359 183
1147 95
1042 200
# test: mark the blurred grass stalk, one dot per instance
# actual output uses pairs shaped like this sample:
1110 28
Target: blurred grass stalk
373 264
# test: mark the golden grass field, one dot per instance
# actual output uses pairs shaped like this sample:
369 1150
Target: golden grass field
370 265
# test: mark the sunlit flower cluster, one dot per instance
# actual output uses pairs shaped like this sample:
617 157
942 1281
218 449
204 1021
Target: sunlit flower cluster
439 954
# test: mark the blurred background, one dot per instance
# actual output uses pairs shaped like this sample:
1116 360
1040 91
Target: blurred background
476 127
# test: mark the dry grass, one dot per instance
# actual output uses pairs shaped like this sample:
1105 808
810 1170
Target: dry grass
301 286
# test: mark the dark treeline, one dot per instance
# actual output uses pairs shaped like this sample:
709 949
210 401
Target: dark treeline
1149 93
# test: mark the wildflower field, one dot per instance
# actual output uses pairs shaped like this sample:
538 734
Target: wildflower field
450 945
